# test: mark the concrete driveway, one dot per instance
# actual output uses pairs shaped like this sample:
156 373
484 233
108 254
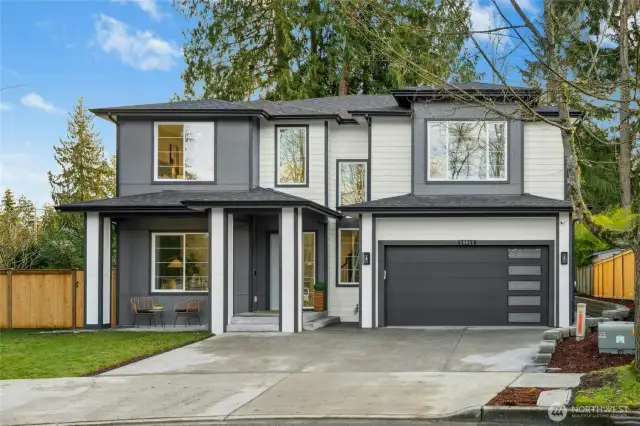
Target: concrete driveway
345 348
339 372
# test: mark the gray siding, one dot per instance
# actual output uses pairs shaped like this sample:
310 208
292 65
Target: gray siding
135 157
241 266
437 111
134 268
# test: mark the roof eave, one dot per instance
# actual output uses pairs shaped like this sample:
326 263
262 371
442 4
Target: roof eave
459 210
261 203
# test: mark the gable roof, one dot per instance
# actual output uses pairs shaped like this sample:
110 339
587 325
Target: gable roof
183 200
461 204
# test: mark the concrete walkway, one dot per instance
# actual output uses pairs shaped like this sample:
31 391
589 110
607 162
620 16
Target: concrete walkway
341 372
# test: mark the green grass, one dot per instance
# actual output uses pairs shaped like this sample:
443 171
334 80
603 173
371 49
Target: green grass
25 354
620 387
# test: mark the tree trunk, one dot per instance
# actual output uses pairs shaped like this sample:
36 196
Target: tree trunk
625 131
343 89
636 306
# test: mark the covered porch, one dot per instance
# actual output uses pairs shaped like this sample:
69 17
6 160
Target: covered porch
250 258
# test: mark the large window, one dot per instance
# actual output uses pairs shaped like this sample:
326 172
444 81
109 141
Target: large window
184 151
349 257
352 182
291 155
180 262
467 151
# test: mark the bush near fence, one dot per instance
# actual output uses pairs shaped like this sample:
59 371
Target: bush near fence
612 278
45 298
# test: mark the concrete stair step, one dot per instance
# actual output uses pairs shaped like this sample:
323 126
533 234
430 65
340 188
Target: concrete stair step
308 316
252 327
255 320
319 323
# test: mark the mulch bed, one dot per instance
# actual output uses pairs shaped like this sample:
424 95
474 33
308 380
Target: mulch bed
627 303
572 356
518 397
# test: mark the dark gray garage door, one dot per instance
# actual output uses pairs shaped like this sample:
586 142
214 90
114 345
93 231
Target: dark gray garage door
476 285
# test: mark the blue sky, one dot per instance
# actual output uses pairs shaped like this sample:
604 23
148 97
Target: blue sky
111 52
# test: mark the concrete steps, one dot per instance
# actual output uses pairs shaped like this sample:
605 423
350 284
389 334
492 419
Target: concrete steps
320 322
254 323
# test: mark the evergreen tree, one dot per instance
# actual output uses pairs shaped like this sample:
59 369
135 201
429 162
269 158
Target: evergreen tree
289 49
85 173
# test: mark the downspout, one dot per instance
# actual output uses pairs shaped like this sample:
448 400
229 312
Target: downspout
572 266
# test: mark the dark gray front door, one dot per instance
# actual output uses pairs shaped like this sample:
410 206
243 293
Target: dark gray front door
478 285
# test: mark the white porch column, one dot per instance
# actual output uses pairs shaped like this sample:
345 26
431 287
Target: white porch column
291 270
366 271
229 280
564 284
106 271
217 265
92 270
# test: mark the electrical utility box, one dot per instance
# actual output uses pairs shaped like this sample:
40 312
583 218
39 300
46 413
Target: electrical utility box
616 337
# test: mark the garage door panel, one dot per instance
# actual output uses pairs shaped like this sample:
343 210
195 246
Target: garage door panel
478 285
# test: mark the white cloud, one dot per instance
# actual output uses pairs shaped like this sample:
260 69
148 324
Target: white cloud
33 100
143 50
607 36
485 18
150 7
5 106
525 5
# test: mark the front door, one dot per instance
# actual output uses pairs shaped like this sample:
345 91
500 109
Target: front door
274 272
308 268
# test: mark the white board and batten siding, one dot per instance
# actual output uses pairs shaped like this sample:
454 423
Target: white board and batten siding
390 156
544 173
315 190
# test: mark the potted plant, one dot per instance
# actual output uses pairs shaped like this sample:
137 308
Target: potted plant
319 289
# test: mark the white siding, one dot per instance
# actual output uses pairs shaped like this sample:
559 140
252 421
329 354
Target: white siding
467 228
346 142
315 190
342 300
390 157
543 161
564 284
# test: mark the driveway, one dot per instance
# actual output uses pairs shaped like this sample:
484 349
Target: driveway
345 348
337 372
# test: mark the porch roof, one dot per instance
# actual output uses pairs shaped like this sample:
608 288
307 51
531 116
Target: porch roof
189 200
409 203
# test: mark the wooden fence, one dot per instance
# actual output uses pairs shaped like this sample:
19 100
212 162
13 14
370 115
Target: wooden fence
45 298
612 278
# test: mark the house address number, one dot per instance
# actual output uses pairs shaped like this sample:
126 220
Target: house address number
466 242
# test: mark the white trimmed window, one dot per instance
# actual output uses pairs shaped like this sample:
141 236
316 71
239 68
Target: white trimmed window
292 161
184 151
349 256
352 182
467 151
180 262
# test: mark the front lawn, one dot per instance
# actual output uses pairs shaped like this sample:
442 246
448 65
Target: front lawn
27 354
618 386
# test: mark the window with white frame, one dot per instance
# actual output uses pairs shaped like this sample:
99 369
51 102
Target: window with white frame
348 256
291 155
180 262
467 151
184 151
352 182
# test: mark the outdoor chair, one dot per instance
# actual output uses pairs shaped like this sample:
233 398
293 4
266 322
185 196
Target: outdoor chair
189 309
143 306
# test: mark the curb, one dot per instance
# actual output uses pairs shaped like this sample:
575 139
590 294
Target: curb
470 414
540 416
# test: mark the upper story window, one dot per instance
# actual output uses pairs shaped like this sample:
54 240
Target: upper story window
467 151
292 161
352 182
184 151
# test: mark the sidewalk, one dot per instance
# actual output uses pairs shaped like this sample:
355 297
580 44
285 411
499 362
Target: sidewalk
246 396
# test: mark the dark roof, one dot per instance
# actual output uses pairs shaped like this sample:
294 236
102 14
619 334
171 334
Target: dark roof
461 203
341 108
551 111
453 91
176 200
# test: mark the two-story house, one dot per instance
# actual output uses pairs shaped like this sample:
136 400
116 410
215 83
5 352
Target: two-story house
415 210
